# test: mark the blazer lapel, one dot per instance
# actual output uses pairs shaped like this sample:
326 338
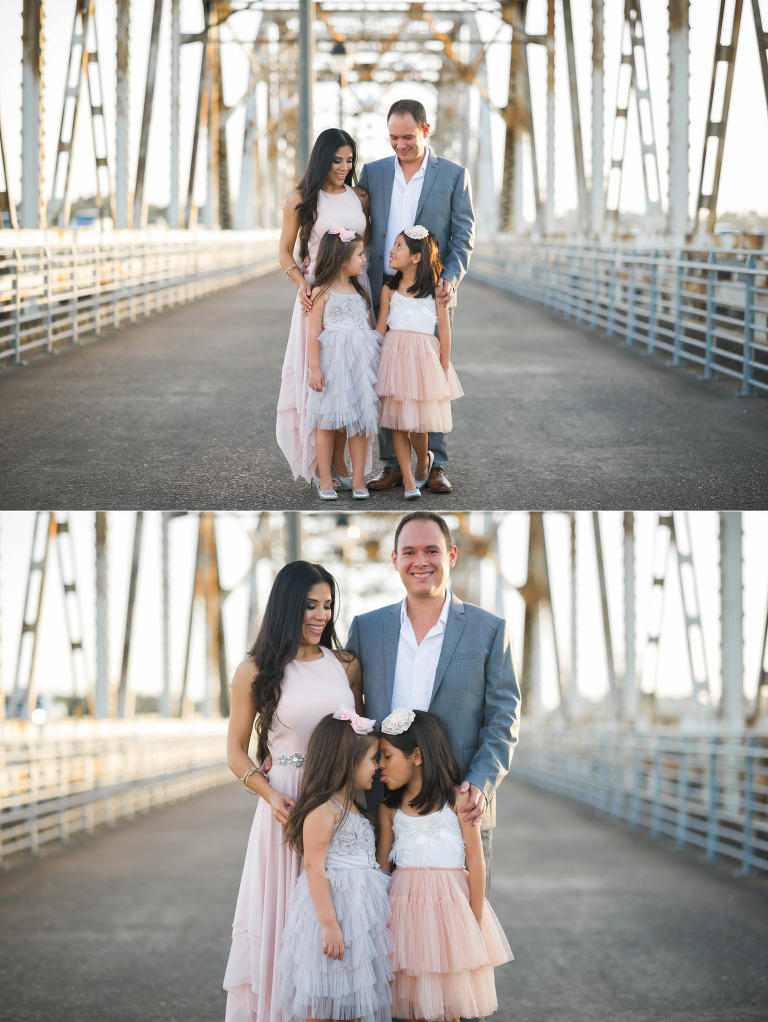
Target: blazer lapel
454 626
430 173
391 642
386 187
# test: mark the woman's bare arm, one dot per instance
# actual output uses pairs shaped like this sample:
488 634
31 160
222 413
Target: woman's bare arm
242 714
288 235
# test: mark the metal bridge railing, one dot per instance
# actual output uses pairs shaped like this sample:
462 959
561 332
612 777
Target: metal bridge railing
52 788
704 792
56 287
707 307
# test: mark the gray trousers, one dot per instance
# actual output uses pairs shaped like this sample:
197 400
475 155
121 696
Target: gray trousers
437 442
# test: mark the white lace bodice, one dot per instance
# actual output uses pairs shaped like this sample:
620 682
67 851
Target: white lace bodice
416 314
345 312
433 840
352 844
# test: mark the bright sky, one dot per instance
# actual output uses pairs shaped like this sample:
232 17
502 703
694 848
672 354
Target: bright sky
368 586
742 188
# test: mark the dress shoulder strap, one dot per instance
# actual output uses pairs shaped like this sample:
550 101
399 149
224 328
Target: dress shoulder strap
336 803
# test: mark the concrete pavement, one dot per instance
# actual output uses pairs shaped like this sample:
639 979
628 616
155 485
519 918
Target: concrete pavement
133 925
179 412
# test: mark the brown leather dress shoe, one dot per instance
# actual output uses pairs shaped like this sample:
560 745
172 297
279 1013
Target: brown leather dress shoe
437 482
386 479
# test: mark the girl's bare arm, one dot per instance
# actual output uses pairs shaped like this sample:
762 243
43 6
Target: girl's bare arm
444 335
317 832
385 837
473 847
386 297
314 329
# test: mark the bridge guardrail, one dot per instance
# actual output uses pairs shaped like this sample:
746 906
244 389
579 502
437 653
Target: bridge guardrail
704 792
58 286
52 788
703 306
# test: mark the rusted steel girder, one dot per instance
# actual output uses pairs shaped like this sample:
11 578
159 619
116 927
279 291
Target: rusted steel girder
139 202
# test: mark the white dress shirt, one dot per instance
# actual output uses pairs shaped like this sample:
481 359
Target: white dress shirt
416 663
405 202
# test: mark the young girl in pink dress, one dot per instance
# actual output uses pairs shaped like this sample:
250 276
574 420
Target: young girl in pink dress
446 937
416 381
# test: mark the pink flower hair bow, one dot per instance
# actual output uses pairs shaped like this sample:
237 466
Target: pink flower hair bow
343 233
360 725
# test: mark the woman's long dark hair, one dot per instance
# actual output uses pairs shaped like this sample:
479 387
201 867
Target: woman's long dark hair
439 767
333 753
428 269
332 253
326 145
279 636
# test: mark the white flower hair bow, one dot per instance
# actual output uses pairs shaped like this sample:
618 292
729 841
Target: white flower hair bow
398 721
417 232
360 725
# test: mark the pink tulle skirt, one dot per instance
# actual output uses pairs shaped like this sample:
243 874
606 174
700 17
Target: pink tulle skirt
443 961
415 391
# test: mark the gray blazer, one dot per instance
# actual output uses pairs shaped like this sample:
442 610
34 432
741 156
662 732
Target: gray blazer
476 694
445 209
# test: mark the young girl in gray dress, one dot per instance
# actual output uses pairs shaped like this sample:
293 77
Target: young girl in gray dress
334 961
343 356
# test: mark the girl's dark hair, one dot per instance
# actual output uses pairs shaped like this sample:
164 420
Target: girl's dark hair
439 767
326 146
331 256
428 269
333 753
279 636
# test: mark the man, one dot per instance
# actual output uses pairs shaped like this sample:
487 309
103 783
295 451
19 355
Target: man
417 187
433 652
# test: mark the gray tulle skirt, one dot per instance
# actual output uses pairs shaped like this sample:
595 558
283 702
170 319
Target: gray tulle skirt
349 360
358 986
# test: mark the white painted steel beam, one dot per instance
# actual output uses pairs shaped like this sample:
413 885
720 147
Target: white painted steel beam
677 205
32 205
597 204
122 198
731 619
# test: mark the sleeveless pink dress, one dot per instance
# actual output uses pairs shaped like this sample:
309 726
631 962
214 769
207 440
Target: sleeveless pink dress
294 437
309 691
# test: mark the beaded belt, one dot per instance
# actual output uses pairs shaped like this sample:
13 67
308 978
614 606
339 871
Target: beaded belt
296 759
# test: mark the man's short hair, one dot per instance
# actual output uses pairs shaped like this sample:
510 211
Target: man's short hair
425 516
412 107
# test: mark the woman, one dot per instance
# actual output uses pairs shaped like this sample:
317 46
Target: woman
295 674
326 196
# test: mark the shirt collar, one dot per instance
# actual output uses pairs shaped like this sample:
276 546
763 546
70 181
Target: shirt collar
441 621
422 169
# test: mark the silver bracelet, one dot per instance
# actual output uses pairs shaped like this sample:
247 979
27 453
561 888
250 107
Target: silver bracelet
293 266
246 775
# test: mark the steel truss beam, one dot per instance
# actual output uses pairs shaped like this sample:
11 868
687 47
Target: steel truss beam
633 56
83 65
714 134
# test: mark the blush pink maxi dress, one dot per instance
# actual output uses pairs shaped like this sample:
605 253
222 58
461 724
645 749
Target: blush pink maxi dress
294 437
310 689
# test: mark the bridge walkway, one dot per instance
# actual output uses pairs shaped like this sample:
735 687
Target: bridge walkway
178 411
133 924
